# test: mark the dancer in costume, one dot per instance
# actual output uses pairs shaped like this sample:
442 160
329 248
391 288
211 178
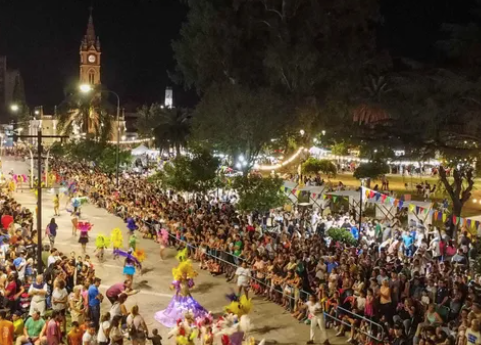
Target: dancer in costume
130 263
56 205
133 242
101 243
117 240
185 332
235 325
131 225
84 228
182 301
163 238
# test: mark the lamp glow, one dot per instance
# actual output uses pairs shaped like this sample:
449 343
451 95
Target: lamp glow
14 107
85 88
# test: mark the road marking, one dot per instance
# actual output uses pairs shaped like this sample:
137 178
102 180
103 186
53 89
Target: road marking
143 292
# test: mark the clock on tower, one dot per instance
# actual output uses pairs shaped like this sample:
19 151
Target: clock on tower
90 56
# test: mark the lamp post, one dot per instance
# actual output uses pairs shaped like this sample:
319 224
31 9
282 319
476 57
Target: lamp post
86 88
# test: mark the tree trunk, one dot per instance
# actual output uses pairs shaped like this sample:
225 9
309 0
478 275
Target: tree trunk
457 194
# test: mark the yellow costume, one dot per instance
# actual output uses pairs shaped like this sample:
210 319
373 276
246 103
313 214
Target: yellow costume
116 238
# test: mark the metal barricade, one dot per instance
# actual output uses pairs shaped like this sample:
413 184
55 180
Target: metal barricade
293 299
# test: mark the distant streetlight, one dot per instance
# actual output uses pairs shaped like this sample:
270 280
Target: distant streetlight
36 112
123 137
14 108
302 132
323 132
85 88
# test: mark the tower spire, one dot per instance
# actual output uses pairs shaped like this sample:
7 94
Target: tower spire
90 37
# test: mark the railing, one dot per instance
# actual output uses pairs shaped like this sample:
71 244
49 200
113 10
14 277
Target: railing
293 299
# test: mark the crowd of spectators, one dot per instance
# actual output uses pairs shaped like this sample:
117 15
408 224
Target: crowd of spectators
399 284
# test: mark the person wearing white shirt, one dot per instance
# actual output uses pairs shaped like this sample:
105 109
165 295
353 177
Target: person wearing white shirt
243 278
317 319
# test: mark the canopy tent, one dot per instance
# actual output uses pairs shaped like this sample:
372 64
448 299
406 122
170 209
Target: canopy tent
139 151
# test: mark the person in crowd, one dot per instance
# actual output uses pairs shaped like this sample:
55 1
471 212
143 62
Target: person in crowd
35 328
54 329
94 300
117 289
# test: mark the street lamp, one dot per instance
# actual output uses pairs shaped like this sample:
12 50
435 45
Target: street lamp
14 108
86 88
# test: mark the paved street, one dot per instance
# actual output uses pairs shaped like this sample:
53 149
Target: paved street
271 322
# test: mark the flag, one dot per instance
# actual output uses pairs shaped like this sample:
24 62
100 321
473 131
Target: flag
294 191
334 198
411 207
400 203
313 195
383 198
371 194
418 209
444 217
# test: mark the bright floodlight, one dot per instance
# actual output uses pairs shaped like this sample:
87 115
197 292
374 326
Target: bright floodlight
85 88
14 107
37 112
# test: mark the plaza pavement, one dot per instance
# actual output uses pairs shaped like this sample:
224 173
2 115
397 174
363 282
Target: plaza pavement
270 321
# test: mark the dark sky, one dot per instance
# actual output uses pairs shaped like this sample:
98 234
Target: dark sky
42 39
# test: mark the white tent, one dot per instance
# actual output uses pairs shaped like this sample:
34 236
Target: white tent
139 151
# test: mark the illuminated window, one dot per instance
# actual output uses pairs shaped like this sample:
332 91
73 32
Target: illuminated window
91 77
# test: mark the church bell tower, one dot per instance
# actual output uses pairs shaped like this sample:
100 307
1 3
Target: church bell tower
90 55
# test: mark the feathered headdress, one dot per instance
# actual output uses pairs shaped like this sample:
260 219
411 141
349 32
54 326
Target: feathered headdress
102 241
241 307
182 255
116 238
139 254
184 269
84 226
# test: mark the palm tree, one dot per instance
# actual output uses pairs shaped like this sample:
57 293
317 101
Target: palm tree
148 118
85 113
173 129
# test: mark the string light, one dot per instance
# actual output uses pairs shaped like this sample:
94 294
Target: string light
278 166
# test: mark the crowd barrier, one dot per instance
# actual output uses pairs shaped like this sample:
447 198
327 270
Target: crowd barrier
375 330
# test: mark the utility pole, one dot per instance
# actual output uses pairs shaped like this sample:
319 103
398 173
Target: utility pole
39 138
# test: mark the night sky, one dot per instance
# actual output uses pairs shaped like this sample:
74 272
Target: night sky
42 39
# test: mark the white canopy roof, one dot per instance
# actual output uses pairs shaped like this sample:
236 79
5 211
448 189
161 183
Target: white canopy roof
140 150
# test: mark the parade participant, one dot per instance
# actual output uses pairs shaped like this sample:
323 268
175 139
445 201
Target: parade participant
185 331
116 239
184 275
101 243
317 319
131 225
163 238
84 228
133 242
130 263
56 205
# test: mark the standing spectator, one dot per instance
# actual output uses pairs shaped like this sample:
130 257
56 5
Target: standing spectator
104 329
33 330
95 298
137 326
243 277
6 330
77 305
89 337
38 292
116 335
54 333
51 231
18 325
317 319
75 335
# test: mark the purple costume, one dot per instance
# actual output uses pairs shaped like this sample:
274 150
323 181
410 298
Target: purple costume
181 303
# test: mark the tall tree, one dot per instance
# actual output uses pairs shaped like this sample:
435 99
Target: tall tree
173 128
86 112
148 118
239 121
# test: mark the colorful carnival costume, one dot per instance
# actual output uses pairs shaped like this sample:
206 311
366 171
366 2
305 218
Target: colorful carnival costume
182 301
233 327
101 243
116 239
84 228
131 261
131 224
185 332
133 240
